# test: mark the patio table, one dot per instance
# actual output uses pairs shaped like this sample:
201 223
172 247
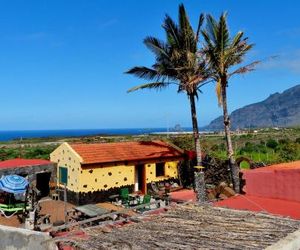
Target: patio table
91 210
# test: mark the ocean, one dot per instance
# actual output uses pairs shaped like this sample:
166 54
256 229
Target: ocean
22 134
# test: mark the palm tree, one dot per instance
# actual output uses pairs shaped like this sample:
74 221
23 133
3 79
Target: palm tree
222 53
177 62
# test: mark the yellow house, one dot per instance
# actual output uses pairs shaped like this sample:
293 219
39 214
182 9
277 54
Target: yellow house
92 172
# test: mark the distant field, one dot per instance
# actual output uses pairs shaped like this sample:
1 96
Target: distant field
267 145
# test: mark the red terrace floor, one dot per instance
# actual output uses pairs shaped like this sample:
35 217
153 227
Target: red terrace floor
250 203
262 204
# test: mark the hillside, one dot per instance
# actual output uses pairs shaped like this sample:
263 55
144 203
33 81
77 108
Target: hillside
278 110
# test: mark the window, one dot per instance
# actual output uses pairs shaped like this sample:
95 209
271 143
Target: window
160 169
63 175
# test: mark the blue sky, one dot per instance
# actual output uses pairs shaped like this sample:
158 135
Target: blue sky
62 62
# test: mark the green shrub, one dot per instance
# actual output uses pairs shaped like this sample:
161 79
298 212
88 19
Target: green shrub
271 143
284 141
290 152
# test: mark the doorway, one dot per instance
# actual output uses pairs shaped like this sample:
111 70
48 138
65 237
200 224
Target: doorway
42 183
140 179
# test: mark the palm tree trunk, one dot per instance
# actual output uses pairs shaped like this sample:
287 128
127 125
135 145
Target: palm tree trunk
199 176
234 169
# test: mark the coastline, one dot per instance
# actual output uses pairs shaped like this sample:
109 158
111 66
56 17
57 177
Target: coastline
19 135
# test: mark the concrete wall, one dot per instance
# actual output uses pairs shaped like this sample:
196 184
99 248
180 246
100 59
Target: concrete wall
12 238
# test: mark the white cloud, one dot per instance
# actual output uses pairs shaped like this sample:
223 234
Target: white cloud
108 23
288 61
291 32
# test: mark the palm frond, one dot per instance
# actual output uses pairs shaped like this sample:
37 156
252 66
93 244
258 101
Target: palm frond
157 46
177 58
172 31
144 72
221 51
188 41
237 39
152 85
245 69
223 34
184 23
201 20
207 39
219 92
212 29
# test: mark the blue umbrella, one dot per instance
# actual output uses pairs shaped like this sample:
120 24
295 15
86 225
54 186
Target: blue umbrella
13 184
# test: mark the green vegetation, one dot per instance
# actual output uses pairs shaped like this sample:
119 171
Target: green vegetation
267 145
257 147
27 152
244 165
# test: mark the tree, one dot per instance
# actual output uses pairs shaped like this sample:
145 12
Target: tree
271 143
177 62
222 53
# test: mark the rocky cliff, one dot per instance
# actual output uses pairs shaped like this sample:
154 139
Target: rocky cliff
278 110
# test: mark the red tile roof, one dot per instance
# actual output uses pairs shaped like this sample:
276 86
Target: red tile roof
125 151
15 163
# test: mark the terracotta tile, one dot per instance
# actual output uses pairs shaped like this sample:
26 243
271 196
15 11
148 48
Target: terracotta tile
124 151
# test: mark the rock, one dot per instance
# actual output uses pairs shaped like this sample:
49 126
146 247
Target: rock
212 191
174 185
221 187
211 196
106 229
223 196
228 191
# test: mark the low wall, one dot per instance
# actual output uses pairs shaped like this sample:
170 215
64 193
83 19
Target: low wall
277 183
92 197
12 238
290 242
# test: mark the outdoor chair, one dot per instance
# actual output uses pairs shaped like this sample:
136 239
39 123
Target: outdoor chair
13 208
124 196
146 201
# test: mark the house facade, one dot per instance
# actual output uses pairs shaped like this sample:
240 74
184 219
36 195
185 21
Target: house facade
93 172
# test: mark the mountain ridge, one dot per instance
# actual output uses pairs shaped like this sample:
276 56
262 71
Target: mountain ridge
278 110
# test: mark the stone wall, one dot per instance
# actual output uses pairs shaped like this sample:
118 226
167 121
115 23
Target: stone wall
82 198
31 171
